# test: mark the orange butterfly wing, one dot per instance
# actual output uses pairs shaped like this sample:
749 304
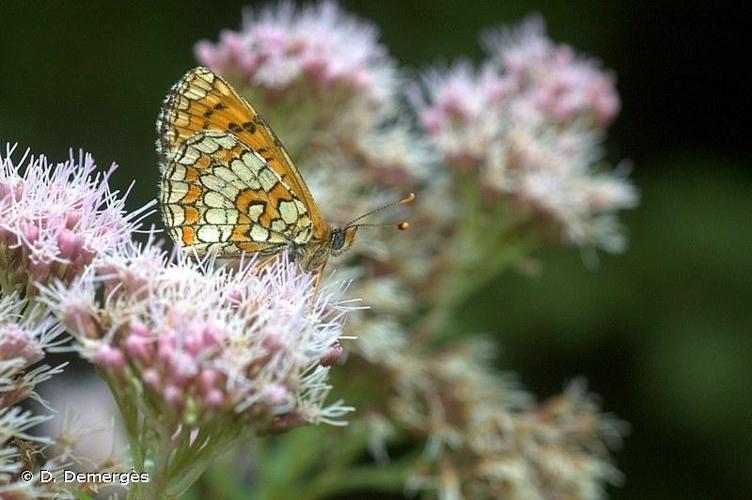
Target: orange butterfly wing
219 194
202 101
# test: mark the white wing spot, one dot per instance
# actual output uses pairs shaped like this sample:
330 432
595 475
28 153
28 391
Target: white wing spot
289 211
216 200
208 234
241 170
227 141
268 179
213 182
225 174
206 145
174 215
221 216
259 233
255 211
253 162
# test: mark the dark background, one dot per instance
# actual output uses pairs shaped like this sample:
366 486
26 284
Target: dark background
662 333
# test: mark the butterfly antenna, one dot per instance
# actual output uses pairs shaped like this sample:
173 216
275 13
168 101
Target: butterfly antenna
402 225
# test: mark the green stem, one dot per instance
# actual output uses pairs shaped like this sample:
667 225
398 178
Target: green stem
199 458
160 477
130 416
488 240
384 478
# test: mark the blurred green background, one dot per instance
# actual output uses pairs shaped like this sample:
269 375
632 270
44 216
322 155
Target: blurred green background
662 333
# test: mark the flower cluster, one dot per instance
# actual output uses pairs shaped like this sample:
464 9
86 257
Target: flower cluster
198 356
553 79
529 122
317 47
54 219
206 342
488 440
26 333
313 70
202 356
498 155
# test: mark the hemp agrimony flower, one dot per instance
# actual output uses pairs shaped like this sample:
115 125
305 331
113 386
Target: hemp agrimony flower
201 356
503 157
529 123
55 218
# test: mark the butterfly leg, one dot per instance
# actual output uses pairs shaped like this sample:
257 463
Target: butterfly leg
317 283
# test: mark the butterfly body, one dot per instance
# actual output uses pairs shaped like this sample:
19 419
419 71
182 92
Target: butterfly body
229 186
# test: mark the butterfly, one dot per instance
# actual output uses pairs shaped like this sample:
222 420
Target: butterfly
228 185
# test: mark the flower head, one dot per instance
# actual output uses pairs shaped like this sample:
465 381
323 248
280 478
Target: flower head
282 47
206 342
559 84
460 110
54 219
308 70
553 173
488 439
529 124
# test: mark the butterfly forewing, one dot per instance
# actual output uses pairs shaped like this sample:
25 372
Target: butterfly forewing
202 101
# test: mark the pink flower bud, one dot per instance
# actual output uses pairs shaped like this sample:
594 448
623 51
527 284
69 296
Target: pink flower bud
214 399
67 243
205 53
182 368
140 348
16 342
173 396
232 41
276 395
86 255
78 316
40 271
140 329
165 346
193 344
272 343
208 380
31 233
152 379
72 218
109 358
432 120
361 79
332 355
213 336
11 191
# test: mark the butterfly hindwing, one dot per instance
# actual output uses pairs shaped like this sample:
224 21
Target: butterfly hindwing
203 102
218 193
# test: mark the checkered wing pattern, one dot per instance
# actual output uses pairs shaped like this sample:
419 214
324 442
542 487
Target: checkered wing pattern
227 182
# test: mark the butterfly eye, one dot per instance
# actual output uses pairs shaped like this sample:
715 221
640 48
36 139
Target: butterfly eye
338 239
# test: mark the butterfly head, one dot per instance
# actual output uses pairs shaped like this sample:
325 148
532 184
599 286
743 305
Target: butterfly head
341 238
313 257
